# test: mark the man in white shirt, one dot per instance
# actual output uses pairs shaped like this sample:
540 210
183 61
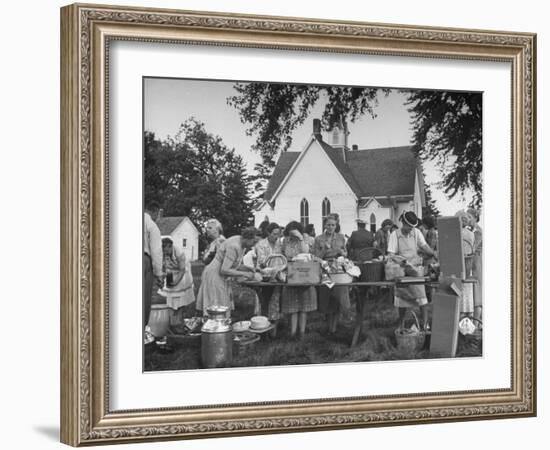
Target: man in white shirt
152 257
404 246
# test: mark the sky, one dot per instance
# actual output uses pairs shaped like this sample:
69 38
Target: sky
170 102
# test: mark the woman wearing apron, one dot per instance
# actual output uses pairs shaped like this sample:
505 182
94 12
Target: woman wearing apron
178 289
403 247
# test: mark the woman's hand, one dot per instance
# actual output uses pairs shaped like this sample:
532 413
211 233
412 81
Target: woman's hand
296 234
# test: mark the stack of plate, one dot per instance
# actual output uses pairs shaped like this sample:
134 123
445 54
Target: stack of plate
259 323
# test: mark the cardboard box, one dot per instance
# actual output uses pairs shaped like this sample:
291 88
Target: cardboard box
301 272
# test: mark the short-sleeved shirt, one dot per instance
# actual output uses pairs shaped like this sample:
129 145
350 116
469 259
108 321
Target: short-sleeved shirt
264 249
405 246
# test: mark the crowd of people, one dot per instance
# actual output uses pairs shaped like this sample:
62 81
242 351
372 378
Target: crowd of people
413 242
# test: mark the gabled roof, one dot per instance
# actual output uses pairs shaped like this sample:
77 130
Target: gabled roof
383 171
284 164
379 172
168 224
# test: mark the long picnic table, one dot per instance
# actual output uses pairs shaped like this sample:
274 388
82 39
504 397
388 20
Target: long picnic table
360 316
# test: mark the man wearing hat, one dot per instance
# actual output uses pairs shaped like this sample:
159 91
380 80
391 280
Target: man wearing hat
404 246
359 240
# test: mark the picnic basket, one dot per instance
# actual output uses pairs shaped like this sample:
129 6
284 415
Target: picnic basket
410 340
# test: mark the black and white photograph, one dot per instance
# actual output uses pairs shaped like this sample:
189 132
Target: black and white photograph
296 224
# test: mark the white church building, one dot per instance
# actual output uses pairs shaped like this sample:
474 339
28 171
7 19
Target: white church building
323 178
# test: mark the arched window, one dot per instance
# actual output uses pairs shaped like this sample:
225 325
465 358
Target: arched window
304 212
373 223
325 209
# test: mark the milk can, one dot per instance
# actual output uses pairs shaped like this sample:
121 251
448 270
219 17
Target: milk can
217 338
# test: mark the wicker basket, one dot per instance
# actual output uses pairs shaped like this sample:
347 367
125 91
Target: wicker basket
410 341
372 271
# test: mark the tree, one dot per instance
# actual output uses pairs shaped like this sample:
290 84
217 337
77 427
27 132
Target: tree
195 174
447 129
430 209
273 111
446 125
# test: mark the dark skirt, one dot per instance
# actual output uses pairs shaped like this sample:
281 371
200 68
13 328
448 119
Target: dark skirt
333 300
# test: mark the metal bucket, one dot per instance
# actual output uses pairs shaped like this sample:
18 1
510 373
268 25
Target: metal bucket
216 349
159 320
217 339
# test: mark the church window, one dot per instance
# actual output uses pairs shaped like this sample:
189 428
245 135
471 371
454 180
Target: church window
373 223
304 212
325 208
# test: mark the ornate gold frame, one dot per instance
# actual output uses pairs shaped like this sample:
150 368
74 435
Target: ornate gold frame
86 31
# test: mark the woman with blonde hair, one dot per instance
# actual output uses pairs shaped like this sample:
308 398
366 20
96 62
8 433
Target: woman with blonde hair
214 232
216 286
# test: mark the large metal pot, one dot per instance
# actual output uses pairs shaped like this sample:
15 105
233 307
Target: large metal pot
217 338
159 320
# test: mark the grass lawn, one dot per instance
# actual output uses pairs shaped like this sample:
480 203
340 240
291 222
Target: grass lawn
377 342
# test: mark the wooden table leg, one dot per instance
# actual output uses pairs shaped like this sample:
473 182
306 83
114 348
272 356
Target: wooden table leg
359 317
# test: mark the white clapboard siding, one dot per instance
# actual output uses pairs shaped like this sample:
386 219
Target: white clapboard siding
186 230
315 178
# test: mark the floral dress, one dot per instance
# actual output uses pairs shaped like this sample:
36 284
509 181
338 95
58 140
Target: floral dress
215 288
297 299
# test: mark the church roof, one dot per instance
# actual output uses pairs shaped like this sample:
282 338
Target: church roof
388 171
285 162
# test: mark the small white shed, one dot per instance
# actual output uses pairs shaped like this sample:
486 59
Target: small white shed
183 232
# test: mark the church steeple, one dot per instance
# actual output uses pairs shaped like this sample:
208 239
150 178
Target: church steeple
339 136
